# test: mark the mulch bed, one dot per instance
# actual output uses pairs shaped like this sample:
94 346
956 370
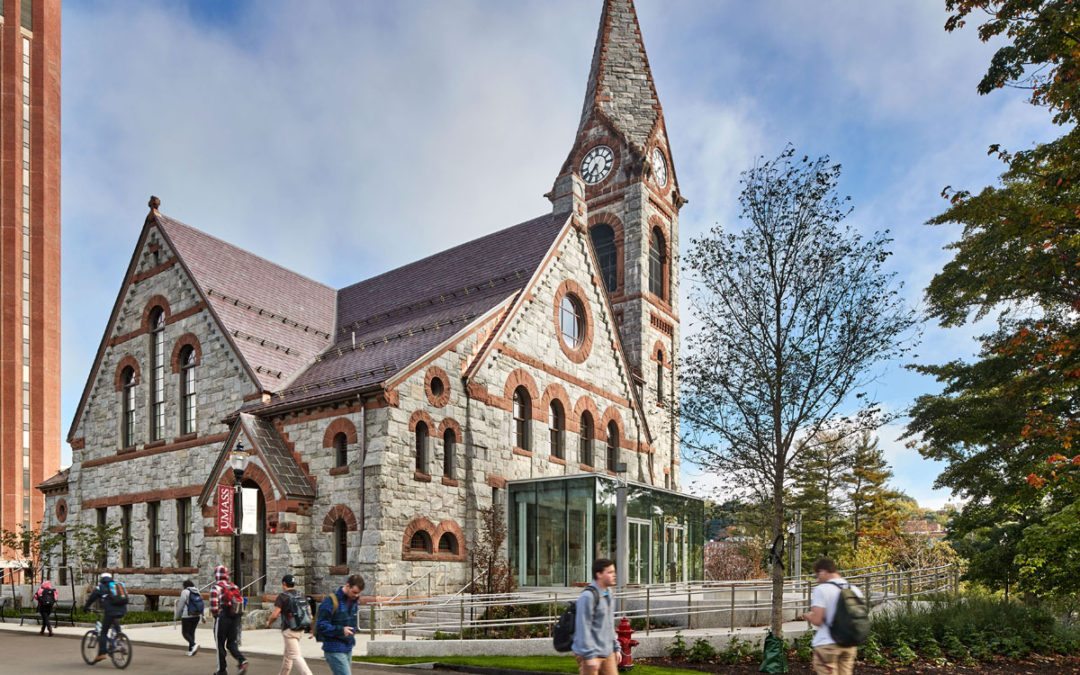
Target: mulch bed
1035 665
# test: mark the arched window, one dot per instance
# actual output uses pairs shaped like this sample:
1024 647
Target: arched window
612 446
657 256
341 542
572 321
187 390
557 429
522 412
420 542
341 449
448 544
449 448
421 447
603 241
127 427
157 374
586 439
660 376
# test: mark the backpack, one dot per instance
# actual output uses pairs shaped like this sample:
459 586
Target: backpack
195 604
297 613
47 598
562 636
232 601
118 596
851 622
333 611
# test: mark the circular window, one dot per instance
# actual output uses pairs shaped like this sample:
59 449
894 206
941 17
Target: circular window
437 387
61 511
572 321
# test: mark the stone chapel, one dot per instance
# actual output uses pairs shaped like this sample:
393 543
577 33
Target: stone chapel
535 367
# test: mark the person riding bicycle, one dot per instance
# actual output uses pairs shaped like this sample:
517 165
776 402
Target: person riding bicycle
113 598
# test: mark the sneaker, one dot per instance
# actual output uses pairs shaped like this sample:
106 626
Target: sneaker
194 650
99 658
243 667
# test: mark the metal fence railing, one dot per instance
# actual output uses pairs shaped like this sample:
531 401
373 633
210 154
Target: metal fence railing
702 604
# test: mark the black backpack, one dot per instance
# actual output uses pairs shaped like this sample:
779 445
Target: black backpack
47 598
297 613
851 622
563 634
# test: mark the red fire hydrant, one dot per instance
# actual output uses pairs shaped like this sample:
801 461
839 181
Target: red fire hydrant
626 643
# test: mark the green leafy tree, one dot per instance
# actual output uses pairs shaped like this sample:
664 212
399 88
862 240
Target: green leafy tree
33 545
794 312
1018 261
89 546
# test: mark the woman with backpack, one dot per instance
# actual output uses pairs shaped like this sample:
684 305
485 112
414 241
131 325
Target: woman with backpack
45 598
189 610
295 615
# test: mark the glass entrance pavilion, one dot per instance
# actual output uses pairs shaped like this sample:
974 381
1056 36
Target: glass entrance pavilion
558 526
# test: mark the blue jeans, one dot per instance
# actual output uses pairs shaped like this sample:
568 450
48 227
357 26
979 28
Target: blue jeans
340 662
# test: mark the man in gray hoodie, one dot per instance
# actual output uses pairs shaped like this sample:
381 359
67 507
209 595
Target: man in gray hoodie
595 646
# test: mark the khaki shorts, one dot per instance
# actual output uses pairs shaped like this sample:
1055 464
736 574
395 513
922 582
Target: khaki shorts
609 665
834 660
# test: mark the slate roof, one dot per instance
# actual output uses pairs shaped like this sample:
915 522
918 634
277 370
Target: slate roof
282 465
58 480
620 84
386 323
278 319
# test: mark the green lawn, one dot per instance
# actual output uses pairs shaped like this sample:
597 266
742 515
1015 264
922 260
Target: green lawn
545 664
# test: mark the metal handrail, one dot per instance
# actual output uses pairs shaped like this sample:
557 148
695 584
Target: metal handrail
433 570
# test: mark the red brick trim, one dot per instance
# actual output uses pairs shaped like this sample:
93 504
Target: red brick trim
586 467
581 352
78 443
661 325
421 476
610 219
171 319
340 425
449 527
338 470
449 424
519 377
415 525
555 460
523 453
618 147
61 510
141 497
659 226
506 350
450 482
612 414
292 418
338 569
185 340
128 361
146 452
153 271
340 511
496 481
432 373
155 301
586 404
658 346
421 416
480 393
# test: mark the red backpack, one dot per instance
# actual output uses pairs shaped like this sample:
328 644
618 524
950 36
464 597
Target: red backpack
231 601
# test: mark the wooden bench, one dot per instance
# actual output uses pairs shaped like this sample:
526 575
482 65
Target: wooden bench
63 610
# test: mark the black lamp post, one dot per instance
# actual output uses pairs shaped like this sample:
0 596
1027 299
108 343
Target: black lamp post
238 460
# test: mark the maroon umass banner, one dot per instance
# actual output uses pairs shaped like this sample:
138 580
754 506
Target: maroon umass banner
225 496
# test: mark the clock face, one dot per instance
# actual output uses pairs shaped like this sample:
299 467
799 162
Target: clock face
659 165
597 164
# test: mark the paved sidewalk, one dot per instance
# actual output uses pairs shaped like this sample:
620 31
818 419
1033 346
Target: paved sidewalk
265 641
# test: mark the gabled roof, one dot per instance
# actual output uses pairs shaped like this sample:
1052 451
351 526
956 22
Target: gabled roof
279 320
59 480
386 323
621 84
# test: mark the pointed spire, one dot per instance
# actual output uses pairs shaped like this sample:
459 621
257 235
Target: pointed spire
621 86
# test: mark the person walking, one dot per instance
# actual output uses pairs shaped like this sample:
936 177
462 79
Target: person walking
292 607
335 624
45 599
114 602
226 606
189 611
829 657
595 646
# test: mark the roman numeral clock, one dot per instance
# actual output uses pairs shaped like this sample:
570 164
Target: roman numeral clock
597 164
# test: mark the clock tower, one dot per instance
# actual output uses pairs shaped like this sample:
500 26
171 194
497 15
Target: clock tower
631 191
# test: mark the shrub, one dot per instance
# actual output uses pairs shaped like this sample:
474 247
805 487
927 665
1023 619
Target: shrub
872 654
955 649
803 651
701 652
904 654
677 649
927 645
737 651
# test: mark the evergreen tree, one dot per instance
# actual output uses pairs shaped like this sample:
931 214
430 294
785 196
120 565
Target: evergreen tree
819 474
874 509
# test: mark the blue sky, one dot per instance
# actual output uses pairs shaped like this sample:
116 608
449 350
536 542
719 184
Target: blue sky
343 138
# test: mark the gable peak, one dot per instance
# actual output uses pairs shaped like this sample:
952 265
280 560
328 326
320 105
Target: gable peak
620 87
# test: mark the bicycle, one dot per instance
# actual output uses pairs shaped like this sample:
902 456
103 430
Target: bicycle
119 649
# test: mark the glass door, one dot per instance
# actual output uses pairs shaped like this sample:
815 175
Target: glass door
639 541
674 553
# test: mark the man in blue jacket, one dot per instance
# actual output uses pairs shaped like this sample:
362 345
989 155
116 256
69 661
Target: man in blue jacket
595 646
336 624
113 606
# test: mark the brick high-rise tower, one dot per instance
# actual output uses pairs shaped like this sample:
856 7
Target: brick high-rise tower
29 256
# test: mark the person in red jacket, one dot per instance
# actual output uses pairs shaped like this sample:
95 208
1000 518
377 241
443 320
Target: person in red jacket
226 605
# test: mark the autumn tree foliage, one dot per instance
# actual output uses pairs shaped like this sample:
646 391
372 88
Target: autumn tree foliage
1017 260
794 312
